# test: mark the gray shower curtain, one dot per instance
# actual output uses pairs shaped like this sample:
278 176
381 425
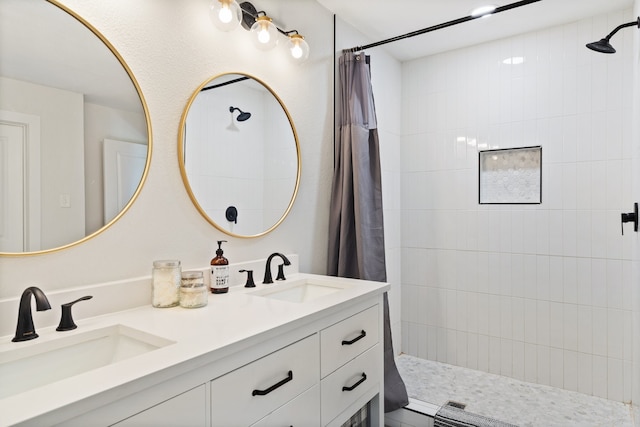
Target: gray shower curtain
356 231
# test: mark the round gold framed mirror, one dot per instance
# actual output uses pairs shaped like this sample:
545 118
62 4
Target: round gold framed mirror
75 134
239 155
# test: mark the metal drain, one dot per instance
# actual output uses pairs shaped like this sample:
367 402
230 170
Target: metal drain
455 404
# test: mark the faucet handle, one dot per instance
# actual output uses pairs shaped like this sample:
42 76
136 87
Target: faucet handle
250 283
280 275
66 320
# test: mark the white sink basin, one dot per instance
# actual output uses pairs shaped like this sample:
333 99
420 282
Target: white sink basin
300 290
40 363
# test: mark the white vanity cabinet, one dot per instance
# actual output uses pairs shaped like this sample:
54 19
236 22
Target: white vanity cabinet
347 368
316 370
351 365
185 410
302 411
249 393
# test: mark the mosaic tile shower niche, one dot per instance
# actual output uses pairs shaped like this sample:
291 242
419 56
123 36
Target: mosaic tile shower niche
510 176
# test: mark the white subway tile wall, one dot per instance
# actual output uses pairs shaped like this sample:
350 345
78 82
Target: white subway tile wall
540 293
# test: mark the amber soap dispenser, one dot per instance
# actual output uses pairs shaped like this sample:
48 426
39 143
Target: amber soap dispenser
219 272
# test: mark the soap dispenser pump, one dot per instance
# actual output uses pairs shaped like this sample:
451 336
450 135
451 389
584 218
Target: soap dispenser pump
219 272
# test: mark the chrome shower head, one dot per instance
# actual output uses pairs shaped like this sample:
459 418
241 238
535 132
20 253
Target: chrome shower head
243 116
603 45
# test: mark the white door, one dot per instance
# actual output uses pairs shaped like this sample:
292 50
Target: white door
19 182
123 168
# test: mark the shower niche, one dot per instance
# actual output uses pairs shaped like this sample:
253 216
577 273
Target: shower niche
510 176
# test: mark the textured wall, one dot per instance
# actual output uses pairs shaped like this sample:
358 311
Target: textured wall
172 47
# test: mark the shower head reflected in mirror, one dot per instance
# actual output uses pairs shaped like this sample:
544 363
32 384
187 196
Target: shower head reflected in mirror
603 45
243 116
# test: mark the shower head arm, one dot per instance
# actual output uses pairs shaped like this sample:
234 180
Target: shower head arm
243 116
619 27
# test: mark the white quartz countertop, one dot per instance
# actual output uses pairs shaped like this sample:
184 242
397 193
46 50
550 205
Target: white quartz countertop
229 323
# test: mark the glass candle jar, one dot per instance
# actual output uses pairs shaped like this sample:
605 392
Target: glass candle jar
165 290
193 291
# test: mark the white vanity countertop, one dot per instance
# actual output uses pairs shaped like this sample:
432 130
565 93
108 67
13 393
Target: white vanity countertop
229 323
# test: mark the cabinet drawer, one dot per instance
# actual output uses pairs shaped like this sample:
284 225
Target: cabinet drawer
347 339
342 388
303 411
186 410
244 396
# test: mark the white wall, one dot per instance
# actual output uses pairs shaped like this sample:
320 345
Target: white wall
102 122
540 293
171 48
61 154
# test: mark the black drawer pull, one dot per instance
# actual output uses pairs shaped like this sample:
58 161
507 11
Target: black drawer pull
358 338
273 387
360 381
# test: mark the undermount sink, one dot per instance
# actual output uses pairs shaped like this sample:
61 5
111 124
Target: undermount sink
300 290
50 360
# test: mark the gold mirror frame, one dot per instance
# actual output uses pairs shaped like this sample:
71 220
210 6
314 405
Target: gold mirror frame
149 139
181 156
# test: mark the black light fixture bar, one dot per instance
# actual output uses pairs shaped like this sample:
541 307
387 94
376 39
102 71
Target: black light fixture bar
250 14
440 26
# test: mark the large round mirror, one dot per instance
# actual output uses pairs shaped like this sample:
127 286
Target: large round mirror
239 155
74 129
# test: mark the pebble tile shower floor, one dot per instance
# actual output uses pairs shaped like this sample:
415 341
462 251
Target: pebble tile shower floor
507 399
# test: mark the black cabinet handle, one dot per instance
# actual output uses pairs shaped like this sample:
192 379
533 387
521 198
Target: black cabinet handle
358 338
273 387
360 381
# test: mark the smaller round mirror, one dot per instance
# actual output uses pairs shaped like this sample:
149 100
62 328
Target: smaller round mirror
239 155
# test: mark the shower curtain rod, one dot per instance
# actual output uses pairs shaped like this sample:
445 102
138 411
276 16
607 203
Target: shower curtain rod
240 79
440 26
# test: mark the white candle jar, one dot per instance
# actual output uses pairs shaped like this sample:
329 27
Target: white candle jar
165 290
193 291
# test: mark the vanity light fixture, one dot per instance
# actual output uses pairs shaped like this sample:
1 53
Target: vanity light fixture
225 14
603 45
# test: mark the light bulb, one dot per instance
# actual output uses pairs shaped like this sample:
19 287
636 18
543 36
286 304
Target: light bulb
296 51
298 48
225 14
265 33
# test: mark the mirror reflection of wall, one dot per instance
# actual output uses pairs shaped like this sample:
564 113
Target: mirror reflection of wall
56 72
240 151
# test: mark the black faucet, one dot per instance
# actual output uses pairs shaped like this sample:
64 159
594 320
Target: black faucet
66 320
267 268
25 330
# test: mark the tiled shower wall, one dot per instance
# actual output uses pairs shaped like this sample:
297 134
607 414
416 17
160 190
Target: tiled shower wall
541 293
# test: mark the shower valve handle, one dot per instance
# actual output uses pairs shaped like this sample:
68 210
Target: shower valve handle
630 217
